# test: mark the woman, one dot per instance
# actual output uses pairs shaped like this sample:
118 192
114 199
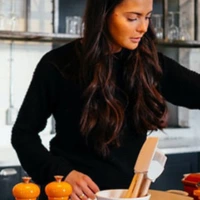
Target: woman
105 91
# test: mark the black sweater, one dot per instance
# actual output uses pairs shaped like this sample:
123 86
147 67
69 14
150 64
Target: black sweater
52 92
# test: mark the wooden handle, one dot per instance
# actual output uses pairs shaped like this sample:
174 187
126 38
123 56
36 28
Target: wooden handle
130 189
145 187
136 189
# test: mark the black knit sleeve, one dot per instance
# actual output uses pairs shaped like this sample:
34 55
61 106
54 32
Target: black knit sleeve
179 85
36 108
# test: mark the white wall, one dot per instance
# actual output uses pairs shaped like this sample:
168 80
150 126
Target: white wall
24 58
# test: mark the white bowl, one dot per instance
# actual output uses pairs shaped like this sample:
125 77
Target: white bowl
116 194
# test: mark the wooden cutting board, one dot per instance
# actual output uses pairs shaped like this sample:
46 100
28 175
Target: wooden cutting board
161 195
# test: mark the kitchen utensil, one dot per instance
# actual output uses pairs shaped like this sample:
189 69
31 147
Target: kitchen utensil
11 112
155 169
141 167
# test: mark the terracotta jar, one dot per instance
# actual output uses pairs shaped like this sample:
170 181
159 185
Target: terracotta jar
191 183
58 189
26 190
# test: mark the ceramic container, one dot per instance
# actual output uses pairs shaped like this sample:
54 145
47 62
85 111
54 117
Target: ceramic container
116 194
58 189
191 182
26 190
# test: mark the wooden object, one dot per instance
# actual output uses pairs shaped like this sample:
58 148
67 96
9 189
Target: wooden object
142 165
162 195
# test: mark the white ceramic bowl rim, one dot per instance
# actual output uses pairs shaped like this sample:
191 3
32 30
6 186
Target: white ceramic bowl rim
114 194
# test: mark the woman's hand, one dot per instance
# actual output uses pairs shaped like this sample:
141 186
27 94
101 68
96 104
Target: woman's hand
83 186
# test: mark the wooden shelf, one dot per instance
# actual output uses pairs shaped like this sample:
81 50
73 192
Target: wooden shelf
180 44
37 37
61 37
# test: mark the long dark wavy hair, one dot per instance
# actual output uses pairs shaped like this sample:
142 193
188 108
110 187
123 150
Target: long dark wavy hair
103 113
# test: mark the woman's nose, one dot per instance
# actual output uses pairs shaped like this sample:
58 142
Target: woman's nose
143 25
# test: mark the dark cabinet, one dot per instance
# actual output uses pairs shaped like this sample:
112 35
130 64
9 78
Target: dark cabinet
9 176
176 166
69 8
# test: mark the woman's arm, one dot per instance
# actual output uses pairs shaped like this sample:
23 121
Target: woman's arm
179 85
37 107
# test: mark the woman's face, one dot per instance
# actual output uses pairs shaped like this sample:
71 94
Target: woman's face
128 23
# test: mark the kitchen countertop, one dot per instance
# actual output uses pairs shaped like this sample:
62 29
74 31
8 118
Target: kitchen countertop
169 145
179 145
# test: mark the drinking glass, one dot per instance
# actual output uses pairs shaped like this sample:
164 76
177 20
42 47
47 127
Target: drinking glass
13 20
2 16
183 29
73 25
2 22
12 17
67 24
183 34
173 31
157 21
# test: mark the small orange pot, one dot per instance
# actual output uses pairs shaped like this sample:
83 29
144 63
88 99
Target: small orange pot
58 190
26 190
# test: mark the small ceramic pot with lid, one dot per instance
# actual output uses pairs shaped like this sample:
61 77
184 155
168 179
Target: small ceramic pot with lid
26 190
58 189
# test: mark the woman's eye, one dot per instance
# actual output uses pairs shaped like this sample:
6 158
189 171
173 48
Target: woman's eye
132 19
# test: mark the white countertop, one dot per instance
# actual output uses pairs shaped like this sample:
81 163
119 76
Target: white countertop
179 145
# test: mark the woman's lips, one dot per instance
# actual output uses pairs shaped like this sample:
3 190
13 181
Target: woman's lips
135 40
